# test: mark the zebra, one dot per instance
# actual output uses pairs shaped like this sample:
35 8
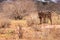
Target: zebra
43 15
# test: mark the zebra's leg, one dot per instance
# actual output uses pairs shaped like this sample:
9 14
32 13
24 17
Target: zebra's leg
40 20
50 20
44 18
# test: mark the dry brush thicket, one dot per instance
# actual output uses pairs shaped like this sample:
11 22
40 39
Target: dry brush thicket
19 19
19 10
26 10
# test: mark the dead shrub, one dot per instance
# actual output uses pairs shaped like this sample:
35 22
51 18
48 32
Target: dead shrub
4 23
12 10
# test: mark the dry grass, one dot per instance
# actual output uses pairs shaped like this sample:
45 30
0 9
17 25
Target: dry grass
15 23
4 23
20 19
